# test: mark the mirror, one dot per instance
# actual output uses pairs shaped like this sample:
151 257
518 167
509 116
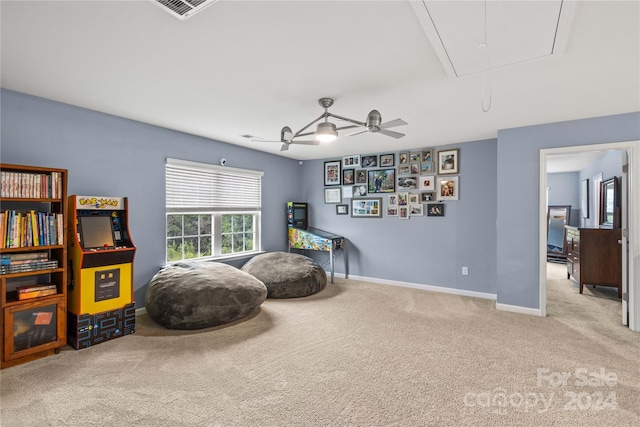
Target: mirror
557 218
609 203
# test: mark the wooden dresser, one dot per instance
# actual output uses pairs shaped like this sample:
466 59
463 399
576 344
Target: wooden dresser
594 257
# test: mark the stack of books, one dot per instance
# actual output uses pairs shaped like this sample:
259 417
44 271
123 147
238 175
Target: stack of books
21 262
30 228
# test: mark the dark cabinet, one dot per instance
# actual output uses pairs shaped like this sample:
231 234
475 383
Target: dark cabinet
594 257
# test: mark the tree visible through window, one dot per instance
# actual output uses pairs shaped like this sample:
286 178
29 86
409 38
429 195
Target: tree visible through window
211 211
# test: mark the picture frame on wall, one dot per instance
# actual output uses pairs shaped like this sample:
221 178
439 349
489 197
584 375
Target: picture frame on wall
403 158
333 195
369 161
381 181
414 199
359 190
427 167
392 210
448 161
408 182
427 155
348 176
392 200
403 212
351 161
435 209
447 187
416 210
404 170
366 208
427 196
332 173
427 182
387 160
342 209
347 192
414 157
361 176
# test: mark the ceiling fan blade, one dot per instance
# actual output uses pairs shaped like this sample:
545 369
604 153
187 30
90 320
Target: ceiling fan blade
311 142
285 146
266 140
391 133
393 123
359 132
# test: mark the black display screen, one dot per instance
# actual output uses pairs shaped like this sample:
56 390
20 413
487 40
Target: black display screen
96 231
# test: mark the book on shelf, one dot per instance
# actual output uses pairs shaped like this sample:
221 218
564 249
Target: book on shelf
25 256
30 185
32 266
34 291
31 228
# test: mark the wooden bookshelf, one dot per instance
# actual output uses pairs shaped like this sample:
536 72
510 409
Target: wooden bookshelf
33 251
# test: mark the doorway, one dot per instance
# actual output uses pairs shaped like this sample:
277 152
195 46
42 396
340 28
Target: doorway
632 151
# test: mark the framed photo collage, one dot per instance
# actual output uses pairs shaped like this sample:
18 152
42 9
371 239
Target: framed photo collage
404 184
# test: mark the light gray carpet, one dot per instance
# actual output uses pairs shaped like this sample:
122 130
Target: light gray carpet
356 354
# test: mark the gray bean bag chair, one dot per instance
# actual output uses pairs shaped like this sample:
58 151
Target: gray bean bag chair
202 294
287 275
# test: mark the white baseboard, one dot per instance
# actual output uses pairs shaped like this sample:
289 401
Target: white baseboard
519 309
441 289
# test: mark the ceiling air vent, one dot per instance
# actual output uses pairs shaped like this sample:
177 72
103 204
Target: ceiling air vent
182 9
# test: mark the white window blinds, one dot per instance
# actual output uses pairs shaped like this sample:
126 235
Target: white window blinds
202 186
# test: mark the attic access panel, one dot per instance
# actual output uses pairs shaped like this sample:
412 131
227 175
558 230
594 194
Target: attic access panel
183 9
515 31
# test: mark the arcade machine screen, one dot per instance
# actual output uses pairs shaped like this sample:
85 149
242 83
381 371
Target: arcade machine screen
97 231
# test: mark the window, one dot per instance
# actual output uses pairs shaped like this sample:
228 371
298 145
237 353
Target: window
212 211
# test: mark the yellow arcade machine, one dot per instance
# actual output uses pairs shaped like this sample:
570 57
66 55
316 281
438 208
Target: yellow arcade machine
100 303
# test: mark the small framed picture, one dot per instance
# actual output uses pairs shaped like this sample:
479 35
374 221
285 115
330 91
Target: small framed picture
392 200
415 168
333 195
404 170
359 190
347 192
342 209
448 162
403 212
392 210
427 182
414 157
403 158
370 161
408 182
435 209
351 161
414 199
361 176
332 173
427 155
416 210
366 208
427 167
387 160
427 196
403 199
447 187
348 176
382 180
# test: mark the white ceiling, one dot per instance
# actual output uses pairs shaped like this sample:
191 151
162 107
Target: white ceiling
252 67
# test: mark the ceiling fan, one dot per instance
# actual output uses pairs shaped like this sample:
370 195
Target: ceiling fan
328 132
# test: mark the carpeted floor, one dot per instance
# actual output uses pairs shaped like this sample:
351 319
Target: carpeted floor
356 354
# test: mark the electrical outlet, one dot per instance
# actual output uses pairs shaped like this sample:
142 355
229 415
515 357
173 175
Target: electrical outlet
465 271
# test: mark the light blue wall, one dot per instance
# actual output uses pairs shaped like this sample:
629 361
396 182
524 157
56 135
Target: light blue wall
499 181
609 165
518 194
112 156
564 189
422 250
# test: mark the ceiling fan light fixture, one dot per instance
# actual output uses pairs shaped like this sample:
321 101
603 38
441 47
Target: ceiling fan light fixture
326 132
